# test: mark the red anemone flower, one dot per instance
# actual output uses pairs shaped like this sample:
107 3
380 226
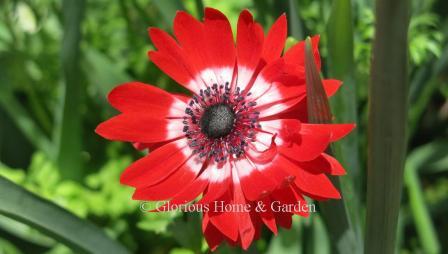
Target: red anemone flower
239 138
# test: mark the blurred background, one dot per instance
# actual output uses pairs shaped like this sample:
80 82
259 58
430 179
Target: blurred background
59 59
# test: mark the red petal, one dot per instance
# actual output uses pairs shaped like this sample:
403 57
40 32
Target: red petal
266 77
300 110
279 92
335 131
268 217
292 141
219 182
246 225
264 156
275 40
190 34
284 219
287 130
313 185
172 59
253 182
277 174
275 108
213 236
183 97
191 191
249 41
331 86
165 43
306 148
269 168
286 196
209 47
139 97
336 167
219 37
225 221
171 185
175 69
149 146
140 127
300 200
316 185
316 166
149 170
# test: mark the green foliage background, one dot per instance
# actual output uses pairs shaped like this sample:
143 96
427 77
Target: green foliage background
59 59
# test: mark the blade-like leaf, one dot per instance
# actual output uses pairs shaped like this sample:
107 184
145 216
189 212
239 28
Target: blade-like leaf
422 218
82 236
69 120
340 38
334 212
199 8
425 157
344 104
388 93
295 24
317 101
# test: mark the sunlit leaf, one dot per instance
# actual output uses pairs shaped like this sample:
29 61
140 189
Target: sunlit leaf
82 236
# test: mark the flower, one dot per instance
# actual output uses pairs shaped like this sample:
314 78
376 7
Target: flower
241 137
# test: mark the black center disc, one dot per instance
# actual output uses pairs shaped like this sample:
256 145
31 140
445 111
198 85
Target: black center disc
217 120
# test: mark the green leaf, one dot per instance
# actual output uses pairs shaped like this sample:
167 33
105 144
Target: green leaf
168 9
295 24
199 8
425 228
69 121
82 236
321 242
11 76
187 231
340 66
157 222
340 38
430 156
25 122
288 241
344 105
334 212
388 96
7 247
104 74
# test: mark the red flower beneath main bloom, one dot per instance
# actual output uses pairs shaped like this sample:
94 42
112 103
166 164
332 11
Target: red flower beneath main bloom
240 138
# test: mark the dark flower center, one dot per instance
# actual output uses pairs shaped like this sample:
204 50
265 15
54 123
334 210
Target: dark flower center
220 122
217 120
